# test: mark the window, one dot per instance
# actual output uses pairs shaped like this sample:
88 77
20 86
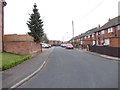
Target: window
110 30
88 36
118 27
102 32
97 33
93 43
81 42
107 42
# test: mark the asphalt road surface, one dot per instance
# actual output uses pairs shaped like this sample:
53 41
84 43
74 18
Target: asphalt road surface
75 69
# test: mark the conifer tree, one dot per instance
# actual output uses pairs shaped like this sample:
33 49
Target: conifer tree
35 25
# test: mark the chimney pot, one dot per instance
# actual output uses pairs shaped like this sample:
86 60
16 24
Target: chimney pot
109 19
99 26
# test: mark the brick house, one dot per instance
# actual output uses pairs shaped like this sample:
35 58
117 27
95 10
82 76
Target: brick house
2 4
54 42
108 34
102 39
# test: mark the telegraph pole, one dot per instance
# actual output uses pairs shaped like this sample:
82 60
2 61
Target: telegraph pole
73 31
3 3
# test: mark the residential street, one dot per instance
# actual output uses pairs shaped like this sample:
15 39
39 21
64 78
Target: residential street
75 69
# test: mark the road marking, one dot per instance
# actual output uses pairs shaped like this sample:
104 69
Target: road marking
27 78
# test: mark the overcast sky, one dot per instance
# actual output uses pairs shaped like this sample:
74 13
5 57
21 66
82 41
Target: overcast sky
57 16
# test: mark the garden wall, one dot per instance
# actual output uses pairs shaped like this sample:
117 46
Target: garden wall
20 44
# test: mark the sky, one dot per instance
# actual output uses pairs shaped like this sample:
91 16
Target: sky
57 16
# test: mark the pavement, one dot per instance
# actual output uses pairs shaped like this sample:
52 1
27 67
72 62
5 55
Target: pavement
17 75
101 55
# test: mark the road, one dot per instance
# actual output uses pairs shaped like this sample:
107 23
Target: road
75 69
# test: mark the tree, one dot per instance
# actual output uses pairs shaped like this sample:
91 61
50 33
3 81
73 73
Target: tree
45 38
35 25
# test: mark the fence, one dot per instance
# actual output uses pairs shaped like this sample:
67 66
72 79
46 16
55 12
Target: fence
111 51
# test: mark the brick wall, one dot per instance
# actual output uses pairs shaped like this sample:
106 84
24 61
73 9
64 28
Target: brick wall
20 44
18 38
115 42
0 26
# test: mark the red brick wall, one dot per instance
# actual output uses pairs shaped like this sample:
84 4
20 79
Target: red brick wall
20 44
22 48
115 42
18 38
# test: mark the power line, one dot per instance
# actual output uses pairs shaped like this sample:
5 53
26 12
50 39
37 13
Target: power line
94 8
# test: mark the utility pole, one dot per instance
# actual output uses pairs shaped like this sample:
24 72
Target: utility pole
67 36
3 4
73 31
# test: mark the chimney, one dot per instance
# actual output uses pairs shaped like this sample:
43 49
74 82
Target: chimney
108 19
99 26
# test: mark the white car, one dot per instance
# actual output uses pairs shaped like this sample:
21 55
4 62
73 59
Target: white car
44 45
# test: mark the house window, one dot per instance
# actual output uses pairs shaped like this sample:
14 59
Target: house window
97 33
107 42
88 36
118 27
93 43
81 42
110 30
103 32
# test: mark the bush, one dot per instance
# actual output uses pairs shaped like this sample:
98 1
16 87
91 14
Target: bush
15 62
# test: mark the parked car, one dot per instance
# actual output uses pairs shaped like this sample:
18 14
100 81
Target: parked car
45 45
63 45
49 45
69 46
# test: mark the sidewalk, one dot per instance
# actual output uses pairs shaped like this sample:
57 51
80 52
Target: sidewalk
18 73
101 55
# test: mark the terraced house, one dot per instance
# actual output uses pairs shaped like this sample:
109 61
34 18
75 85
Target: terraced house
107 36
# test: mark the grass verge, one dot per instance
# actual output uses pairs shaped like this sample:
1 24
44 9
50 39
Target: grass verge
9 60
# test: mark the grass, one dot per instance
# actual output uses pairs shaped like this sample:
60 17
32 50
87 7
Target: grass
8 60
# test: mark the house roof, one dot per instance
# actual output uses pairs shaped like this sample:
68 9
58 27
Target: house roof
89 32
113 22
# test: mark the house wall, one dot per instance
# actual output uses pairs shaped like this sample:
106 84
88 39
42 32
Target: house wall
0 26
54 42
20 44
115 42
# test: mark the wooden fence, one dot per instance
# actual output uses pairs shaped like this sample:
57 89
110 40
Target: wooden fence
111 51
